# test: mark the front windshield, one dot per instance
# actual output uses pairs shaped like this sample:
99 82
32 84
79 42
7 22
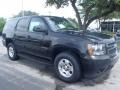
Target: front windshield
59 23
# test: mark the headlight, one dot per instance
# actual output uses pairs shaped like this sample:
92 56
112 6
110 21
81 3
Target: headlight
96 49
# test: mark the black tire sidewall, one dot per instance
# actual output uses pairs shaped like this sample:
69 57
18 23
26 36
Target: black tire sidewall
15 57
76 66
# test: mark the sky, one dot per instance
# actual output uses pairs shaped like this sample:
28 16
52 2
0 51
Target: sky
9 8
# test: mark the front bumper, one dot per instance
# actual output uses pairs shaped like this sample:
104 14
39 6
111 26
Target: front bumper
95 68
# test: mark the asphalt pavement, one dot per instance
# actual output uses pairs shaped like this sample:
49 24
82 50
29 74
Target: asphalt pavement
30 75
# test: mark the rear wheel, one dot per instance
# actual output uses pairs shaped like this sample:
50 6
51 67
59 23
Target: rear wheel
12 52
67 67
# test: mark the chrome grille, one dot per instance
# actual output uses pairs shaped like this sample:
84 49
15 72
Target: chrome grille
111 49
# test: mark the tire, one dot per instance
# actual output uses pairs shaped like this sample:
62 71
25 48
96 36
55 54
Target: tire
69 74
12 54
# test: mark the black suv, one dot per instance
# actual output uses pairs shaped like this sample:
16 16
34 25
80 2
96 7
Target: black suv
54 40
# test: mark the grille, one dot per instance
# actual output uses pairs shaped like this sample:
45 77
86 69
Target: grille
111 49
110 45
118 35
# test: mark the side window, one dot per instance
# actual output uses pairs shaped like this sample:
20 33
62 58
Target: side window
36 22
22 24
10 24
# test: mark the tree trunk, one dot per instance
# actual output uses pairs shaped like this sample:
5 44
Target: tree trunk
99 16
77 13
83 27
88 21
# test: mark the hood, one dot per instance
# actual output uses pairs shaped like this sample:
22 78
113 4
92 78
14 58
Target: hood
94 36
97 36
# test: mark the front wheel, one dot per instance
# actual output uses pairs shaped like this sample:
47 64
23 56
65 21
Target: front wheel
12 52
67 67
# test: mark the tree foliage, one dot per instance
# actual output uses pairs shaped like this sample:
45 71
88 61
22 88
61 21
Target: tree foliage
112 15
2 23
26 13
88 10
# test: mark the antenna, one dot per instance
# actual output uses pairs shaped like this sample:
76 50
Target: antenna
22 9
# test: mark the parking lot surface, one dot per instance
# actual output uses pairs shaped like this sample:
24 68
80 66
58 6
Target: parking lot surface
30 75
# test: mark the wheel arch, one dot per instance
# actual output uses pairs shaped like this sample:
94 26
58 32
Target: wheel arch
61 48
8 40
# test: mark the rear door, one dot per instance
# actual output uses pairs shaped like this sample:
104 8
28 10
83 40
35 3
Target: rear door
21 33
37 40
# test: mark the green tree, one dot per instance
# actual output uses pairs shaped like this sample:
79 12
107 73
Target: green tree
112 15
88 10
26 13
2 23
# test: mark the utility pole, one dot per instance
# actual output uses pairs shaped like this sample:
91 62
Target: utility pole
22 9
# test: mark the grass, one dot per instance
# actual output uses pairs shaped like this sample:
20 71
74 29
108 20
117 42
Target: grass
108 33
118 45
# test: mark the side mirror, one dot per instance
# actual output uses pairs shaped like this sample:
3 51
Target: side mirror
40 29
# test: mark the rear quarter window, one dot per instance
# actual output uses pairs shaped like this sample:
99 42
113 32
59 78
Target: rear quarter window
10 25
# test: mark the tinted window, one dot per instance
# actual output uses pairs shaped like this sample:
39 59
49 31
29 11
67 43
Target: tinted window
10 25
23 24
36 22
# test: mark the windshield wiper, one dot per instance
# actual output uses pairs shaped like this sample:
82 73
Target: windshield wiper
68 29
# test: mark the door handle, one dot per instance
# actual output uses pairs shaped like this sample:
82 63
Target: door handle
28 36
32 39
